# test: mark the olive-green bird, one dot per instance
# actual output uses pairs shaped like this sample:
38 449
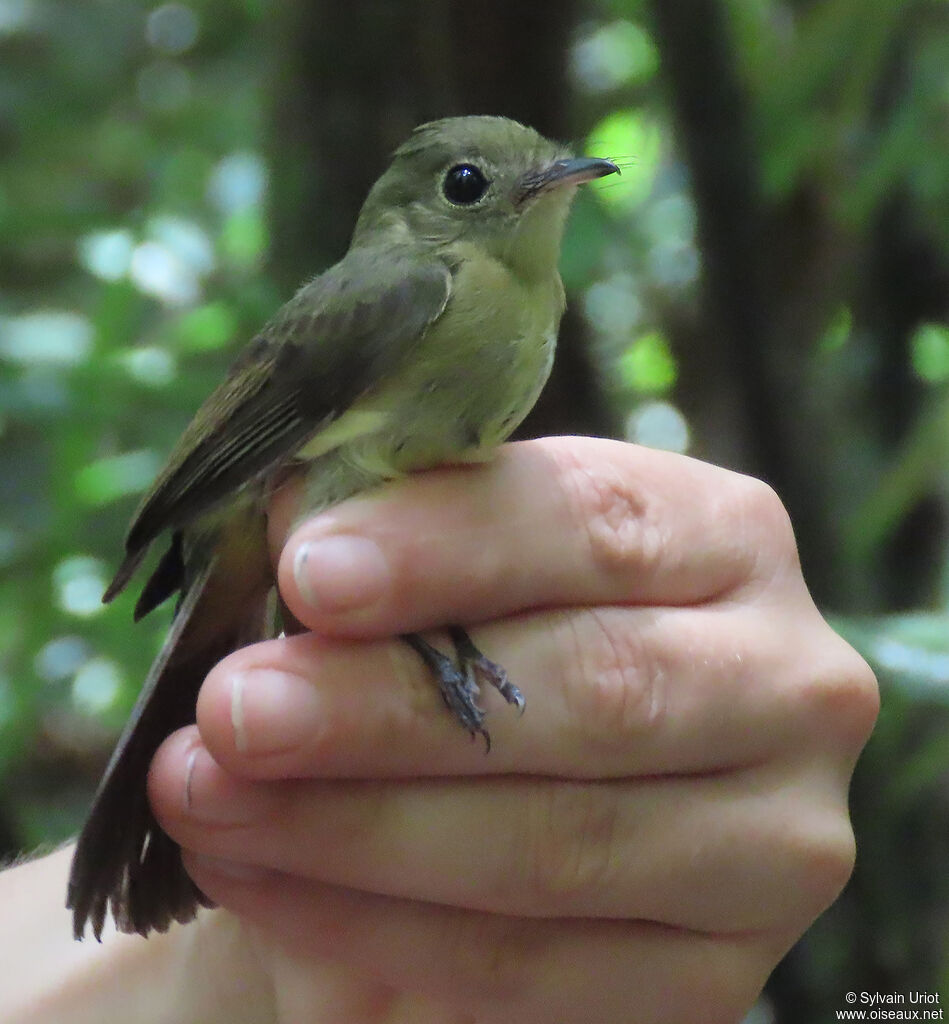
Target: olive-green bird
426 344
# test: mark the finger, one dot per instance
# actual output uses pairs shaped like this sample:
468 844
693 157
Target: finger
496 968
557 522
610 692
534 847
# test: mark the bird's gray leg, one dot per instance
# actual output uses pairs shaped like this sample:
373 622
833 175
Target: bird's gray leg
458 682
458 687
476 666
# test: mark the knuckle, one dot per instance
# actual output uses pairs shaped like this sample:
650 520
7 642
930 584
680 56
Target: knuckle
613 681
621 527
801 852
763 527
830 863
572 839
840 699
823 856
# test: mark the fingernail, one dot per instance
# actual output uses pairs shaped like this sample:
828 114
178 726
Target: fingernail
340 573
237 713
215 798
189 774
272 712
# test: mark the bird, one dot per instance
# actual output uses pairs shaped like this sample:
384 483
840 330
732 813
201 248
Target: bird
426 344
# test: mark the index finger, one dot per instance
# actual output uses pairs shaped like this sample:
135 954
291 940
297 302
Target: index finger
556 522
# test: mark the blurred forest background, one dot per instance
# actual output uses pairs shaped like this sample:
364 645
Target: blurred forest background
766 287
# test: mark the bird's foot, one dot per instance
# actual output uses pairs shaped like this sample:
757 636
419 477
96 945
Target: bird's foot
459 681
477 666
458 687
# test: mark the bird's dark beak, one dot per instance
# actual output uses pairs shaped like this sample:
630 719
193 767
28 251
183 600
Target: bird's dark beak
563 172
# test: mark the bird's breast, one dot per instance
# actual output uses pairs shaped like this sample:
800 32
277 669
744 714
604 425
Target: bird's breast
474 376
482 365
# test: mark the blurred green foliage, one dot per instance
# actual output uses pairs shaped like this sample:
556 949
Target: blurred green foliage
134 238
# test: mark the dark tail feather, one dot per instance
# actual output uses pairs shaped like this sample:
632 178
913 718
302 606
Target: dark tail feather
123 861
132 560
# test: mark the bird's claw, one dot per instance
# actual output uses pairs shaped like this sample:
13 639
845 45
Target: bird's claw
477 666
459 682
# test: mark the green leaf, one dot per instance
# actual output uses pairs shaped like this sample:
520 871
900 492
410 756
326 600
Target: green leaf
207 328
114 477
648 365
632 138
244 238
929 352
837 332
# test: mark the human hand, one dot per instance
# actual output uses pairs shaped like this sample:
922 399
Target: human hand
644 843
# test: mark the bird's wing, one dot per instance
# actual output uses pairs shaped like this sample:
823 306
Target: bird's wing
340 335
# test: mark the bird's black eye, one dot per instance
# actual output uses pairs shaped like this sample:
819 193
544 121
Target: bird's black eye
464 184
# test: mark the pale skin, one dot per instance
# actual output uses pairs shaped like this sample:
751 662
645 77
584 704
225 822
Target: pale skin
644 843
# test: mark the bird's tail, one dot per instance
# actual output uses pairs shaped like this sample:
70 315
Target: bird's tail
123 861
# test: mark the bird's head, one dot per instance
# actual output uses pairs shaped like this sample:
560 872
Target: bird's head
479 183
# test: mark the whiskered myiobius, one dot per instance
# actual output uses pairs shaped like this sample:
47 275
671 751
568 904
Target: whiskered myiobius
426 344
